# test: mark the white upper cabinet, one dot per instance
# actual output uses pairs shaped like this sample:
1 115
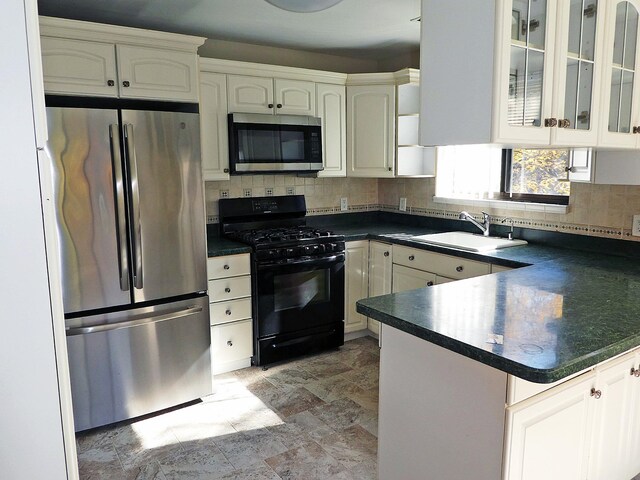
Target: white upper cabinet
331 108
249 94
371 123
620 125
82 58
79 67
295 97
532 76
214 126
157 73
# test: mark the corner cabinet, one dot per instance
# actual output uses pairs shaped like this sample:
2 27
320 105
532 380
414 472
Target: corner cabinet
538 72
82 58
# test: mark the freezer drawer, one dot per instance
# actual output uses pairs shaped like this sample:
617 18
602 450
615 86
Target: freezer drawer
137 362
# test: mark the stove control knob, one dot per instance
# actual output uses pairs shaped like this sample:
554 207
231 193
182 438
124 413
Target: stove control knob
322 248
290 252
273 254
307 249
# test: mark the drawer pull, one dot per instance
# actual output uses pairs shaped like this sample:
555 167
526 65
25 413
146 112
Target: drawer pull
430 283
226 267
459 268
229 343
228 312
412 258
227 290
596 393
635 372
386 254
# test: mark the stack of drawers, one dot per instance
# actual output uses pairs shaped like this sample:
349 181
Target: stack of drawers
230 312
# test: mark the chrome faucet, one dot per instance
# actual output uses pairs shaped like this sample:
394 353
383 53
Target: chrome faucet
484 226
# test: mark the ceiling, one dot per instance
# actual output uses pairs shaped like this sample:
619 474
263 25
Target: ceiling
373 29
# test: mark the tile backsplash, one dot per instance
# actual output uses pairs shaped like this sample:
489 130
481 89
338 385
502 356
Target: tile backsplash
598 210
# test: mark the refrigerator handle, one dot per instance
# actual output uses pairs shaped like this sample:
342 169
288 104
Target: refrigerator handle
135 202
116 160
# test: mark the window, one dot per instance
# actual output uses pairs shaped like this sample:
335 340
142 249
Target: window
493 173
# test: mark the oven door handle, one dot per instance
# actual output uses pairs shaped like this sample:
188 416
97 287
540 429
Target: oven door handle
311 262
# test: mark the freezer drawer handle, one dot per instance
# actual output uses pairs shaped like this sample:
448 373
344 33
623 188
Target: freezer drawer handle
135 323
135 199
116 160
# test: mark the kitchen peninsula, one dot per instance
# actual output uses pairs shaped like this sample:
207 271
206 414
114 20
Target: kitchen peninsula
555 342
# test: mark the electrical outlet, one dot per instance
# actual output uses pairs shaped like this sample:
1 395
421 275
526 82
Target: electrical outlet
211 219
246 192
224 193
635 230
344 206
268 192
403 204
291 190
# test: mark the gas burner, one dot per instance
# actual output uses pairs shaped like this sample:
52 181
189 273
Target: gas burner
278 235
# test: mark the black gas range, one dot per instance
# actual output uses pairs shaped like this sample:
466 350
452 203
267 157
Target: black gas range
297 275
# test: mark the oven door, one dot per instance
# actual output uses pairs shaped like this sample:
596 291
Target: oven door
300 295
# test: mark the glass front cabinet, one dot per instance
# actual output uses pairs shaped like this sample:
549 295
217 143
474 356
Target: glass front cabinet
549 72
620 125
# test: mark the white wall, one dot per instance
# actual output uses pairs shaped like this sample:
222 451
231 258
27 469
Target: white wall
31 445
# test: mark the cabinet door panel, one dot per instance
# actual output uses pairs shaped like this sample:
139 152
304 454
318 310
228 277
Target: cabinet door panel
371 130
158 74
549 437
331 106
213 126
356 284
405 278
379 274
249 94
79 67
296 97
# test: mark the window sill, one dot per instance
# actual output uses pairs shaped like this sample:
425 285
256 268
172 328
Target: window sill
507 205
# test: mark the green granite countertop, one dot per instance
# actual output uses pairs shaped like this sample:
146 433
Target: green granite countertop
562 312
217 246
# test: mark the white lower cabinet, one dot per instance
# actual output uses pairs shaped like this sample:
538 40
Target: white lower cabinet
379 275
405 278
584 428
548 436
356 284
230 312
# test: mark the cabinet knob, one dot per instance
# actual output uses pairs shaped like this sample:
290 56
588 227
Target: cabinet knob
111 83
412 258
226 170
126 83
636 129
635 372
459 268
229 343
279 105
564 123
226 267
430 283
386 254
550 122
390 169
227 290
270 105
596 393
228 312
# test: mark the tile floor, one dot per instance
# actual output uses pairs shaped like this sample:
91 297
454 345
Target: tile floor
313 418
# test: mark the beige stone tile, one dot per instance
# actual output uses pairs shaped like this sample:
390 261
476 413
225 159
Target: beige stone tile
308 461
200 461
258 471
353 447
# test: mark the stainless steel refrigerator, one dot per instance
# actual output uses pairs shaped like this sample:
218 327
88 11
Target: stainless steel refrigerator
132 244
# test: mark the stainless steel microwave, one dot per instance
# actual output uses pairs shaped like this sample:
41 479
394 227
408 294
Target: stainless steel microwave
262 143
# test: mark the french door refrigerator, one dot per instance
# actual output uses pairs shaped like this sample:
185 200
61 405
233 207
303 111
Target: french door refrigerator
132 243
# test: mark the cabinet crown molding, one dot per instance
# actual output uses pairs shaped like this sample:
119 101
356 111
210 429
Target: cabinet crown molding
100 32
406 75
235 67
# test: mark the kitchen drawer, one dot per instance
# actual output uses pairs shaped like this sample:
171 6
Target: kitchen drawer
228 266
230 311
231 342
445 265
229 288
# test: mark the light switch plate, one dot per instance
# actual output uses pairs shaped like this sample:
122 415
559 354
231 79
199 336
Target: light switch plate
635 229
403 204
344 206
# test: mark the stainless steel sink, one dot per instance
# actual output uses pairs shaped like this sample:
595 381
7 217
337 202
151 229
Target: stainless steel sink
468 241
